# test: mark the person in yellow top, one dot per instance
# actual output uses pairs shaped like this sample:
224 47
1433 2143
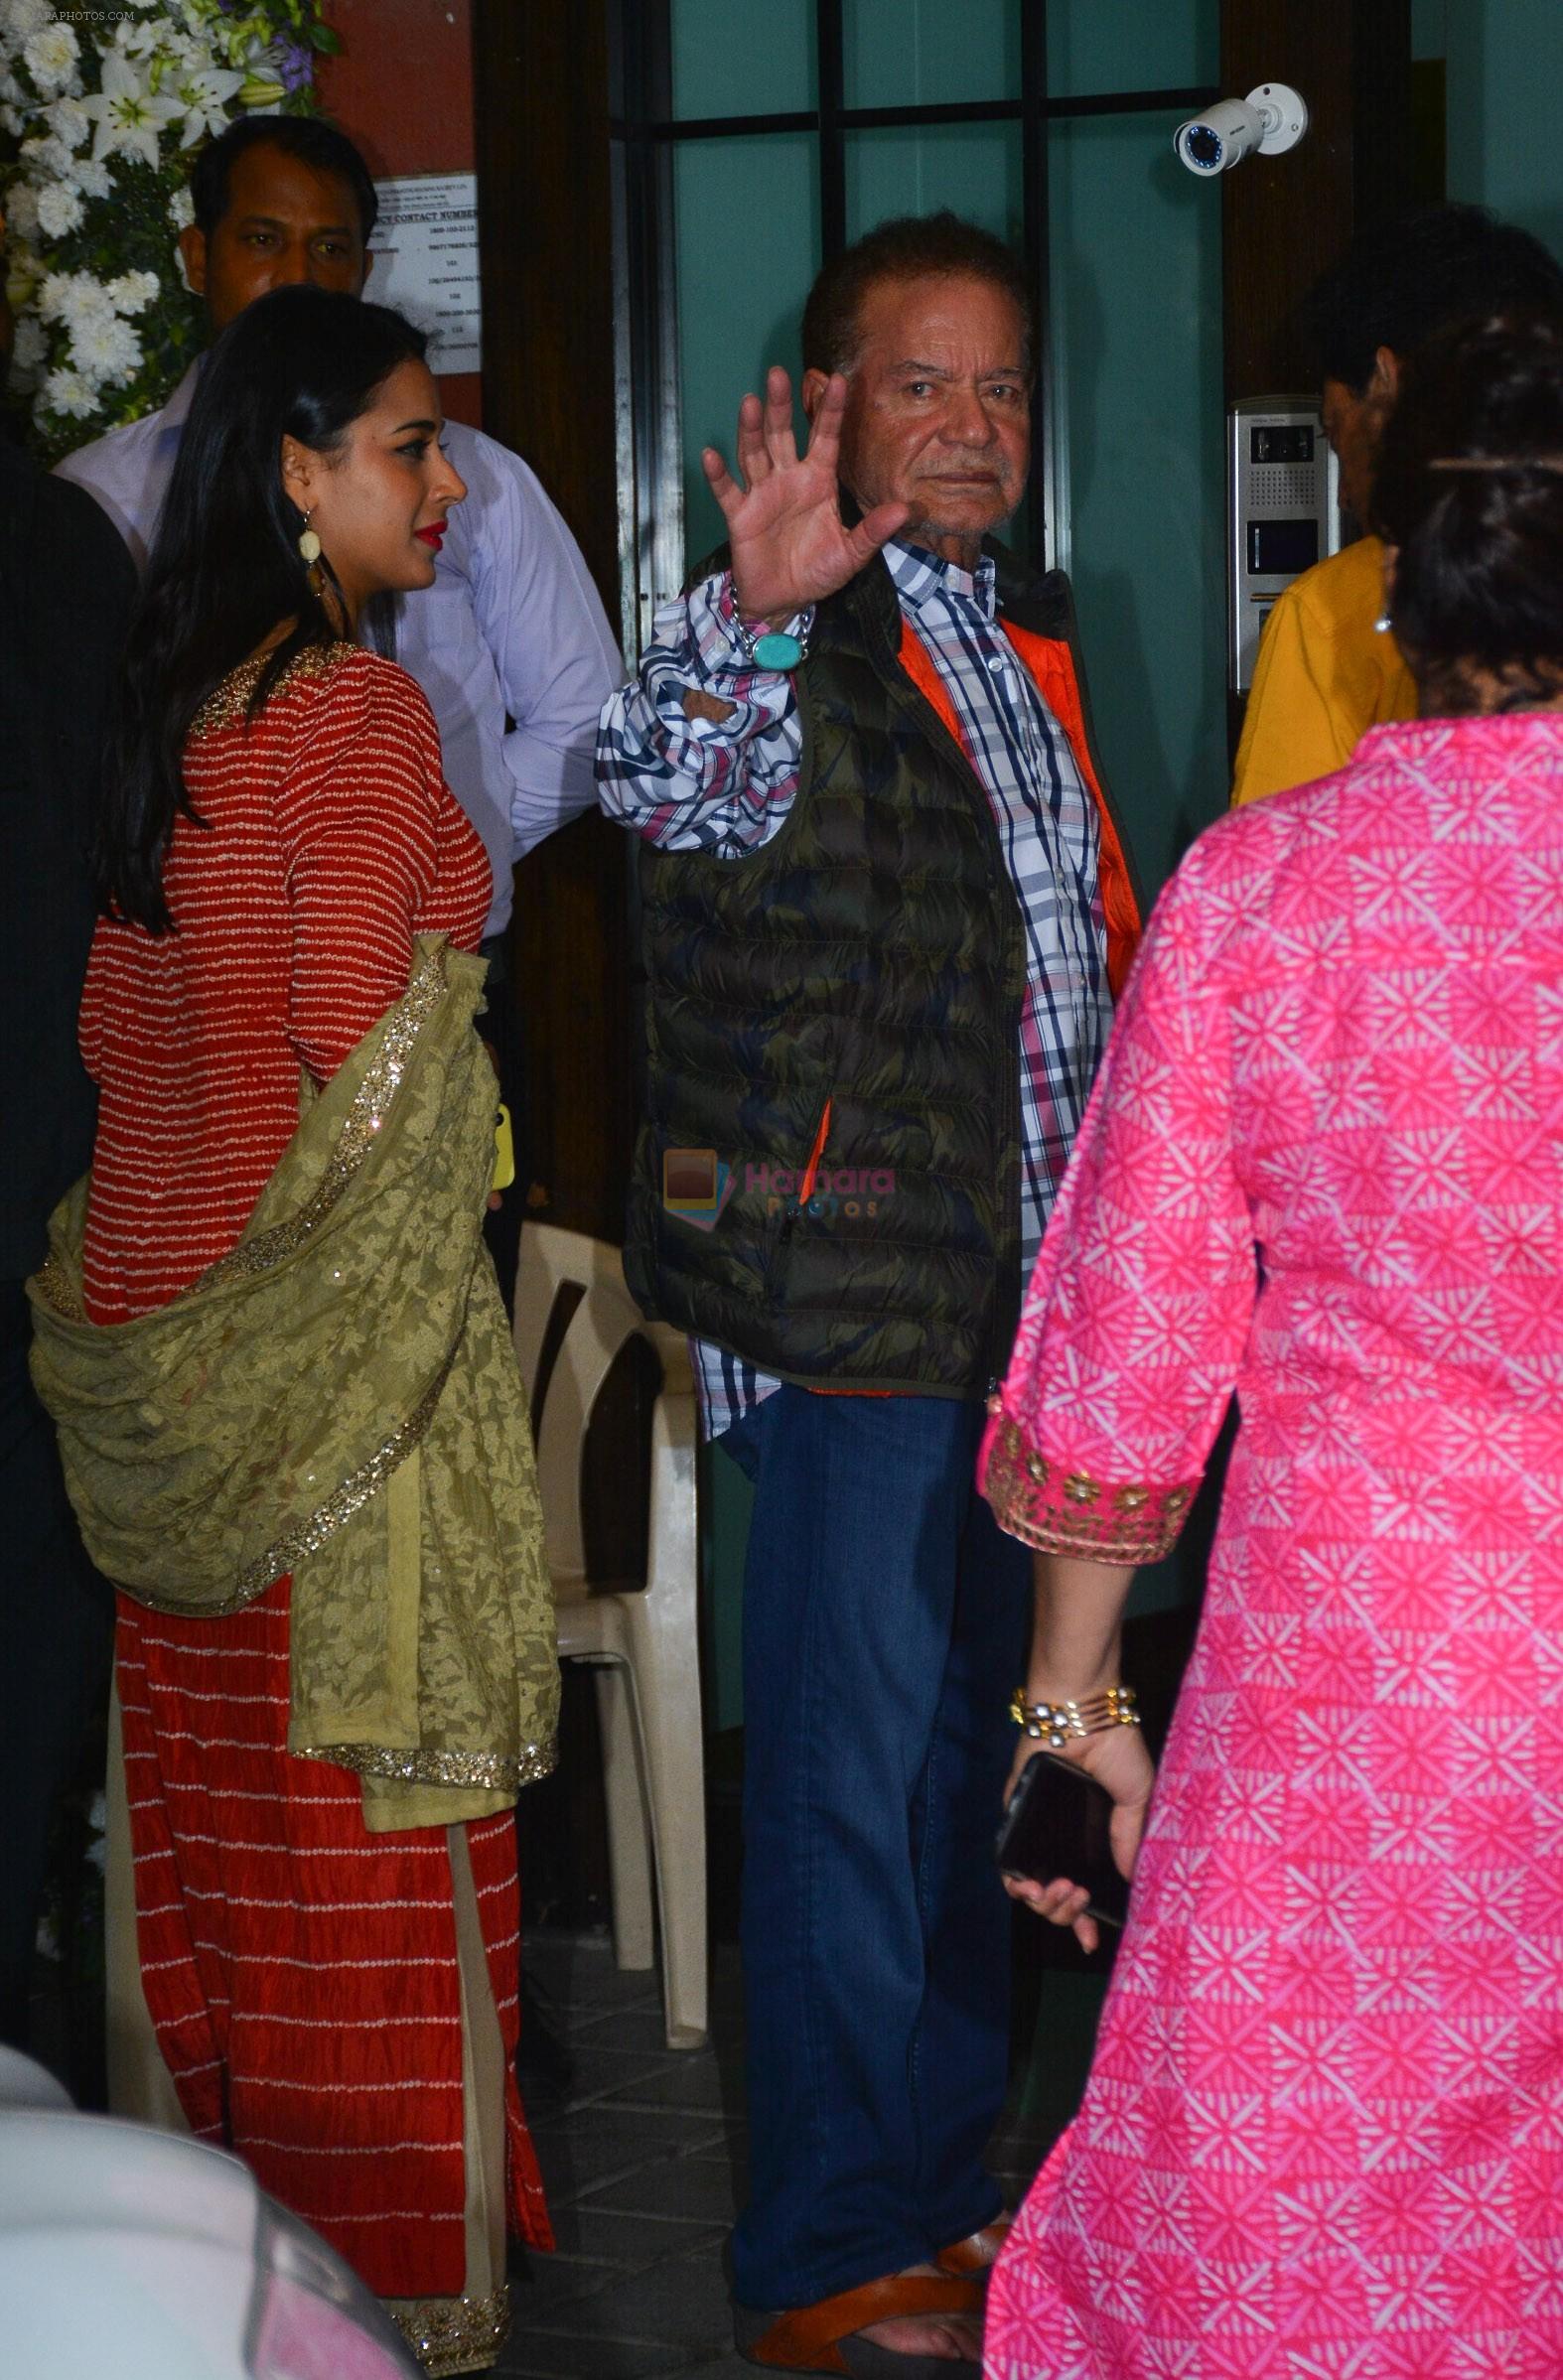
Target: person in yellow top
1327 668
1325 672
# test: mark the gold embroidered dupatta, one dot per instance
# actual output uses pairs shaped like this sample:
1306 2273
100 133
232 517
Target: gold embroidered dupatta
339 1397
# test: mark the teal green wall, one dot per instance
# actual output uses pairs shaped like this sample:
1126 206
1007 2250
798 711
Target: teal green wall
747 219
736 58
1505 84
1137 390
921 53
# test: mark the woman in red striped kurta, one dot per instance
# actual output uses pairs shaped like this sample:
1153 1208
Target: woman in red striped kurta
305 1977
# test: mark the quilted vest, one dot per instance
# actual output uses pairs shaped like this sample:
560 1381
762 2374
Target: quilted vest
827 1176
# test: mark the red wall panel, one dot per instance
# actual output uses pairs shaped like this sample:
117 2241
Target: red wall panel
402 90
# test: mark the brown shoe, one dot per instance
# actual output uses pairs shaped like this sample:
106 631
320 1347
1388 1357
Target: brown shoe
824 2337
977 2253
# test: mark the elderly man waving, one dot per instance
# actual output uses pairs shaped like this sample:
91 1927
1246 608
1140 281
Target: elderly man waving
885 900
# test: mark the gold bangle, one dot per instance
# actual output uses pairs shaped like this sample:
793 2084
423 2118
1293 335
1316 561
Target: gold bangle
1057 1724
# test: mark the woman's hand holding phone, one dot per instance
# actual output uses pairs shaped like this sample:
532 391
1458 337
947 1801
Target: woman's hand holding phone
1119 1761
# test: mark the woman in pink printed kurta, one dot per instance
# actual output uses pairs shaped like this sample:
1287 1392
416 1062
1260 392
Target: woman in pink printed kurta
1323 2136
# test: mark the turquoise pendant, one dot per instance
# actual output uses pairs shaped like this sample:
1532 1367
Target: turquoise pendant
776 650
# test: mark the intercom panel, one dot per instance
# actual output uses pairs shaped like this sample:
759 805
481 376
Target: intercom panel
1283 513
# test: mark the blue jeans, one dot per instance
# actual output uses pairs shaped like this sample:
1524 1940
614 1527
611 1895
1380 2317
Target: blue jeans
885 1621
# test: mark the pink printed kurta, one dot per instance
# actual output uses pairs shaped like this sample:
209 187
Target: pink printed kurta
1323 2136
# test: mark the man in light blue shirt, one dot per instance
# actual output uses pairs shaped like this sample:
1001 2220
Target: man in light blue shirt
510 644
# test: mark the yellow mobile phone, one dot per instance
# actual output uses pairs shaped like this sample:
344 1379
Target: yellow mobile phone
503 1151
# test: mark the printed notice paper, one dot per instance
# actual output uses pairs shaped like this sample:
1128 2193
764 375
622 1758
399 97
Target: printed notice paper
425 250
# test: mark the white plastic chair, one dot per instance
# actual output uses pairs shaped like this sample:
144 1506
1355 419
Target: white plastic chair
643 1638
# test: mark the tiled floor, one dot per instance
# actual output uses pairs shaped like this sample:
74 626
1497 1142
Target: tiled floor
641 2151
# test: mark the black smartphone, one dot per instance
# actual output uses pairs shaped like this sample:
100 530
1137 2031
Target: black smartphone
1057 1824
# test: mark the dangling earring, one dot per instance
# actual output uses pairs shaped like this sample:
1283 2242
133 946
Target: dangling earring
309 549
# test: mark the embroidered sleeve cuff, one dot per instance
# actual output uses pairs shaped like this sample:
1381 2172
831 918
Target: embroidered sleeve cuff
1060 1512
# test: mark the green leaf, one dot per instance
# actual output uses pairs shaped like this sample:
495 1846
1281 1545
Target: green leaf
326 39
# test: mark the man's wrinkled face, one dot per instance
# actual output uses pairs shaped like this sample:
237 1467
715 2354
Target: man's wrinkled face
938 408
285 222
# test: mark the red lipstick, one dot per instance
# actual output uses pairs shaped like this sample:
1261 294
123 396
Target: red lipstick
434 535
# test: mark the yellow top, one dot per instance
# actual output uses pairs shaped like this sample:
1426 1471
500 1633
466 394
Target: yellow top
1323 675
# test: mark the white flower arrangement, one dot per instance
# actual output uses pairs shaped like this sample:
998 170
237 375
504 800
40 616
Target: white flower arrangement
104 115
51 57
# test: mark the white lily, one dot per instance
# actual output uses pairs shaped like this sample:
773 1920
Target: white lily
178 54
204 98
137 41
263 92
130 118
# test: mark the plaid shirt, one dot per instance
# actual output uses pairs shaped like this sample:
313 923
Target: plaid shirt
697 786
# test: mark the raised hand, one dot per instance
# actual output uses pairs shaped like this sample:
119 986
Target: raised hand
789 547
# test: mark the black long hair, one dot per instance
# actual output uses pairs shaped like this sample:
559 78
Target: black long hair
1469 490
225 567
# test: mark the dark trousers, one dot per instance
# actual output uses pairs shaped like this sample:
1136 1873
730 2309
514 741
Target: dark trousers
885 1623
56 1634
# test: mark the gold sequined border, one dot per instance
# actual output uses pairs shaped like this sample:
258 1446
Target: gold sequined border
310 1534
383 1080
454 2334
55 1284
1068 1512
501 1772
229 699
426 987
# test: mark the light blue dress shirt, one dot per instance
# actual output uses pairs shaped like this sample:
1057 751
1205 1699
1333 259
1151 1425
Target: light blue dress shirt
511 627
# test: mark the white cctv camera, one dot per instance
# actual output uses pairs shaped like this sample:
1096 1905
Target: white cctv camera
1272 119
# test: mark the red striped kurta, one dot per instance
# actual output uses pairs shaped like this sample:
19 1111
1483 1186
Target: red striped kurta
301 1973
